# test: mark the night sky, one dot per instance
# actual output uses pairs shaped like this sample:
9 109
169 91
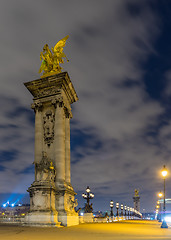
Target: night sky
119 55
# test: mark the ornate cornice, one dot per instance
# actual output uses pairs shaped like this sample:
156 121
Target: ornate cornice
52 85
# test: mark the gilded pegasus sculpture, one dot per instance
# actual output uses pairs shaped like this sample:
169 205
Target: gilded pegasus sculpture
51 59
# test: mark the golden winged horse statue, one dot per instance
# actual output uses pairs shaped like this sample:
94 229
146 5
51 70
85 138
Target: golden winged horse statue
52 59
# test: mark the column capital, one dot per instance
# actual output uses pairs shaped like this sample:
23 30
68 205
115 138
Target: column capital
58 101
37 106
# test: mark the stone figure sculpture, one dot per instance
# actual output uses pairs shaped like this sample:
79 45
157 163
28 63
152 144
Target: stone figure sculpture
48 120
136 193
52 59
45 169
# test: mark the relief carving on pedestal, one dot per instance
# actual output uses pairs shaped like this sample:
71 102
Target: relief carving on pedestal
48 126
72 204
47 92
45 170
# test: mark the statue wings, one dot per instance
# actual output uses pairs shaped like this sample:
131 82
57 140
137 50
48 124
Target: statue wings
51 60
61 44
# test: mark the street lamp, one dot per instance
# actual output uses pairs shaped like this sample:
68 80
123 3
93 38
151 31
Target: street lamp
117 207
164 173
125 211
111 206
88 195
128 212
121 210
157 212
160 195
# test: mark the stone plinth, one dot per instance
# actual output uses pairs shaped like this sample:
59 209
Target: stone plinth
53 97
88 217
42 204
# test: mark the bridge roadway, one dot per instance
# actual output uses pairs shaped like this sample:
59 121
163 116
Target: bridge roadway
125 230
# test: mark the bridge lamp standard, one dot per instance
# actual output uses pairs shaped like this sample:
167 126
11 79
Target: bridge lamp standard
128 212
117 209
160 195
111 208
122 210
164 173
125 210
88 196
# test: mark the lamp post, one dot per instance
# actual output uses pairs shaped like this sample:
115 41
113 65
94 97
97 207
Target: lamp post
111 209
117 211
164 173
160 195
121 210
88 195
125 211
157 211
128 212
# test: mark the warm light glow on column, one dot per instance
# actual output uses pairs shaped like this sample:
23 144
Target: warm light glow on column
164 171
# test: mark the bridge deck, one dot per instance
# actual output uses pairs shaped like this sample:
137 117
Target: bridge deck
125 230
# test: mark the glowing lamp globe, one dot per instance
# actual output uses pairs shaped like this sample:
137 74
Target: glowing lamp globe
160 194
88 189
164 172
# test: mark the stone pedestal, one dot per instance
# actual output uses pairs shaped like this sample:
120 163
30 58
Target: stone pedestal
88 217
53 97
42 204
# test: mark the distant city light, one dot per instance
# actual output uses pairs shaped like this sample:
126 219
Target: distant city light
12 205
4 205
167 219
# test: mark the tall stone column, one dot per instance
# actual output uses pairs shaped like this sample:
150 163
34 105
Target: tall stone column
38 133
67 149
59 144
51 194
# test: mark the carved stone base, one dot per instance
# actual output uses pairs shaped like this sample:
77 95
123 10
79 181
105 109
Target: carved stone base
65 205
42 219
68 220
42 205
